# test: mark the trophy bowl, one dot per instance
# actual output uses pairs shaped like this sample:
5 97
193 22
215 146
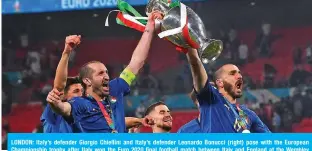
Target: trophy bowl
193 34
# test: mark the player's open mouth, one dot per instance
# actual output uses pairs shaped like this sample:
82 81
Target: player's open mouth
239 84
105 86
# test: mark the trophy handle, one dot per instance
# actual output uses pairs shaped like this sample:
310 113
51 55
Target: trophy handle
211 50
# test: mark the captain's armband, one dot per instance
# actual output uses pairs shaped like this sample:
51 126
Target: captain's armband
128 76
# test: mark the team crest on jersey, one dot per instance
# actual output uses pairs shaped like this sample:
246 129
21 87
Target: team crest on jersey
113 100
71 101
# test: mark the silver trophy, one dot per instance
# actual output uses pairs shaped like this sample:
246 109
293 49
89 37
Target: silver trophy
184 28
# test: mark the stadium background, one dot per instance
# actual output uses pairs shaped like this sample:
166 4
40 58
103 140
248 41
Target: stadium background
269 40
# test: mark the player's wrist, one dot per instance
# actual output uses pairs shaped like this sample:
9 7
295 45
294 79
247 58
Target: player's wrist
66 52
149 30
150 27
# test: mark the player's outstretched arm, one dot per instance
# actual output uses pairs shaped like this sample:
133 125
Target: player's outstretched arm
140 53
61 74
57 105
199 74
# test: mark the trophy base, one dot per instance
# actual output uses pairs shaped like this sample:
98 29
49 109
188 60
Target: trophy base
210 50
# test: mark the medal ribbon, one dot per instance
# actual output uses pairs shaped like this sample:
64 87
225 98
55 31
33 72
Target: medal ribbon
109 120
242 119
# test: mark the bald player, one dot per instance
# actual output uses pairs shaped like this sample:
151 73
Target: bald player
219 109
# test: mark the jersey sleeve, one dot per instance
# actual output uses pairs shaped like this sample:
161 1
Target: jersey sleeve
207 95
180 130
47 127
48 119
78 108
257 125
48 116
122 84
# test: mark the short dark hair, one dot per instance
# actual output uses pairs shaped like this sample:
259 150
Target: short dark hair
70 81
86 72
217 74
153 106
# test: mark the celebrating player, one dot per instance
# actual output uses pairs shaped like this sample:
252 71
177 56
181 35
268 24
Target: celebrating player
219 110
55 123
52 122
103 110
159 117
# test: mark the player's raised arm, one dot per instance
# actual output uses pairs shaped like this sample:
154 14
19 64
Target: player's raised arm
199 74
140 53
62 68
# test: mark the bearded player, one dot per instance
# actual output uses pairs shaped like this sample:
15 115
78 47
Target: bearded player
219 109
71 86
103 110
160 119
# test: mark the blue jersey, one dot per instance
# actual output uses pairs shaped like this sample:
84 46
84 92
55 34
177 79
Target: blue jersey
54 123
190 127
86 111
216 116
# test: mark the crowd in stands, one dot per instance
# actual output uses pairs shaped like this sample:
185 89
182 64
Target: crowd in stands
280 116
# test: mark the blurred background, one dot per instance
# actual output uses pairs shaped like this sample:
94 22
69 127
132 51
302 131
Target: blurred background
271 42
